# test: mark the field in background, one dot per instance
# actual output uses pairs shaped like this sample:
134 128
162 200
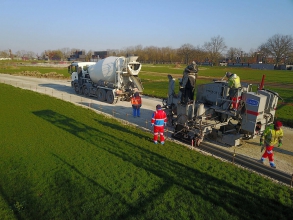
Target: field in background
60 161
155 80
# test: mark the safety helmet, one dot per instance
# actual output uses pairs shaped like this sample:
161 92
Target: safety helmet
228 74
158 107
278 124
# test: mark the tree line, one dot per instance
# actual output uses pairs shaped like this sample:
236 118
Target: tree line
278 49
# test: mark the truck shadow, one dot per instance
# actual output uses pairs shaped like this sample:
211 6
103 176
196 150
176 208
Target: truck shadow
58 87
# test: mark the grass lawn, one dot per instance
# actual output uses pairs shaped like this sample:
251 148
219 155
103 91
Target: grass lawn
61 161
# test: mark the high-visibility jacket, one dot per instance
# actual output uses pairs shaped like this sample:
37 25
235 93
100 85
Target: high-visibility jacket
159 118
234 81
271 136
136 101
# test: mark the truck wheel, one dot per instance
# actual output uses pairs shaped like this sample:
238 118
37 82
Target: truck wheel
110 97
86 91
101 93
76 89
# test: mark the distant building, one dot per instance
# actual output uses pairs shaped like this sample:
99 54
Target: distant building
99 55
77 56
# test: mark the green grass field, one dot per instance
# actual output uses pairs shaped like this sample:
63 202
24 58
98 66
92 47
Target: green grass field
61 161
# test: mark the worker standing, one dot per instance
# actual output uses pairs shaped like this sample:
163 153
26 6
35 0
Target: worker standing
234 84
188 82
272 135
136 104
159 120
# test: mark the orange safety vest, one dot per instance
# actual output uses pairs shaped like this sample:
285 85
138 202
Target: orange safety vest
136 100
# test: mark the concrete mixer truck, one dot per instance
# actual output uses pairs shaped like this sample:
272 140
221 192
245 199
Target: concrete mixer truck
110 79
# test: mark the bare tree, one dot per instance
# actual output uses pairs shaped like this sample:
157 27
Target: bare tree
187 52
199 54
290 58
89 55
233 53
65 53
214 48
4 54
31 55
168 54
151 54
279 47
252 52
21 53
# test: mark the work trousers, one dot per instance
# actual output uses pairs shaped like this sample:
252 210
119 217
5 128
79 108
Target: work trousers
269 153
136 111
235 97
159 130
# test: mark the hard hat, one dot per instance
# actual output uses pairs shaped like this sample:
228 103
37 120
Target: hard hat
158 107
228 74
278 124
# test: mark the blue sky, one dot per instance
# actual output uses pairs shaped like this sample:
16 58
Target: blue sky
38 25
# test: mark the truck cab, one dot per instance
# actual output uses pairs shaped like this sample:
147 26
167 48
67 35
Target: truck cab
78 70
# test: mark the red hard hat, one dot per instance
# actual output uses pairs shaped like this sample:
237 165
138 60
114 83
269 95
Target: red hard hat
278 124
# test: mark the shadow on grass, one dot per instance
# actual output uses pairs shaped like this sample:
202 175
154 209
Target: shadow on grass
73 168
20 197
8 202
237 201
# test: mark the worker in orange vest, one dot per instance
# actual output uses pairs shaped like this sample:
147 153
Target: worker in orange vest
136 104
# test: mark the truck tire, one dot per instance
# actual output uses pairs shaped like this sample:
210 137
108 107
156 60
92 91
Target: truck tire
86 91
110 97
101 93
76 89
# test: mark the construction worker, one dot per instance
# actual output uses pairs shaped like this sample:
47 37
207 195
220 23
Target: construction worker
136 104
272 135
159 120
188 82
234 83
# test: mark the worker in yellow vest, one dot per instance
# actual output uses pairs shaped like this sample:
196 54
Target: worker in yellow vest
234 93
136 104
272 135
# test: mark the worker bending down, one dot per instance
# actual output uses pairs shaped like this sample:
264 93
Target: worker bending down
272 135
159 120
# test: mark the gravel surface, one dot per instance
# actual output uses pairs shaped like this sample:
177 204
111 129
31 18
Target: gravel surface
122 110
